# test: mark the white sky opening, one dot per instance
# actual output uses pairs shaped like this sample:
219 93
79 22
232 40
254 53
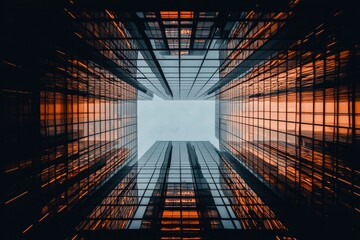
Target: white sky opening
161 120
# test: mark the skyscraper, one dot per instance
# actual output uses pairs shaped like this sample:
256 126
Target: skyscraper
70 122
291 119
284 78
183 190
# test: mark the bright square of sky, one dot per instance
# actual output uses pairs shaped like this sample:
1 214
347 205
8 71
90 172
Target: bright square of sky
169 120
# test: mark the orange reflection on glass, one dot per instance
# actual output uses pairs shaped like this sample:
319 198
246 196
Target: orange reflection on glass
252 212
169 14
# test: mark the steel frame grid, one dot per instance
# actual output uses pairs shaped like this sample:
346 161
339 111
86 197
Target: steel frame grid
291 118
177 26
82 128
140 23
152 197
25 96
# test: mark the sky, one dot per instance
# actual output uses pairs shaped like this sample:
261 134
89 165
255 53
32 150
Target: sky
175 120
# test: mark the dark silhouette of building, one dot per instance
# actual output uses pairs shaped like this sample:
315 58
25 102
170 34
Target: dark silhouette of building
284 78
183 190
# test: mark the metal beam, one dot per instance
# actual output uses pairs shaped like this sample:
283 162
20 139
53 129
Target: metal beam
112 67
137 30
293 30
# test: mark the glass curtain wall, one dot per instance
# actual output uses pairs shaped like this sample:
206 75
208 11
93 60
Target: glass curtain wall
293 119
70 122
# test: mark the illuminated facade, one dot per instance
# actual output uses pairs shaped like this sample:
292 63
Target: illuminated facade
183 190
284 76
70 125
293 118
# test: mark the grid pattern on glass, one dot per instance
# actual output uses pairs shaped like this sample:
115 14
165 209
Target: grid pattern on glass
187 55
93 134
76 124
195 54
127 202
293 120
182 189
254 35
180 57
109 40
183 54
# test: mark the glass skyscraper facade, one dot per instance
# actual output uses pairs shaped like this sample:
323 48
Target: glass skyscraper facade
284 77
293 118
70 123
183 190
